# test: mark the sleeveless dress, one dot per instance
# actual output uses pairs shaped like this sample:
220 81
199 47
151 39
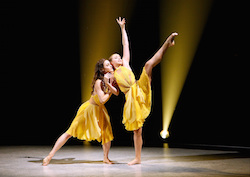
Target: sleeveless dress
138 97
92 122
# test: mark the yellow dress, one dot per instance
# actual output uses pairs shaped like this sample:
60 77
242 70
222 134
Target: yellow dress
138 97
92 122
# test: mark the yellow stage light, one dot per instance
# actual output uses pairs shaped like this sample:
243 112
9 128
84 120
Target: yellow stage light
187 17
99 35
164 134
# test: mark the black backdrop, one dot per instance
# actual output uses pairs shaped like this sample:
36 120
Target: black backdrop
40 76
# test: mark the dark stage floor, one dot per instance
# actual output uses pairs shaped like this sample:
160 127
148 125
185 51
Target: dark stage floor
87 161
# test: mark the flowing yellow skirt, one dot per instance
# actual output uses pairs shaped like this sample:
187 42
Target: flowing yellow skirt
138 103
92 122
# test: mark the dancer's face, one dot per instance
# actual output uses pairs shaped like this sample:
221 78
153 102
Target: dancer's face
116 60
107 66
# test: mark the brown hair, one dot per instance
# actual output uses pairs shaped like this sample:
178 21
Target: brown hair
99 74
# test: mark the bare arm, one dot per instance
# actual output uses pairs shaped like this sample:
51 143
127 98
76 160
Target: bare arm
109 80
125 43
103 97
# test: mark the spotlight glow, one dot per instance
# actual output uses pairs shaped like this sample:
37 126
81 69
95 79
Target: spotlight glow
164 134
188 19
99 35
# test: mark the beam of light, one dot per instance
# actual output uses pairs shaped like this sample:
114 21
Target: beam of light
99 35
187 18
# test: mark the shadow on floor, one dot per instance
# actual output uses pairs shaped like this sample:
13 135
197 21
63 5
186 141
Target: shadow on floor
69 161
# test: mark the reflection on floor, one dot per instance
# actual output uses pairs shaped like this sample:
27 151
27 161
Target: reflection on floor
87 161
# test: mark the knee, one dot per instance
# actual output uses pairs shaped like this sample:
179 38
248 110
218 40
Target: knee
148 68
67 136
148 65
138 132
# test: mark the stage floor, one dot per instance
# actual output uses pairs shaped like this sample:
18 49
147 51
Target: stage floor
87 161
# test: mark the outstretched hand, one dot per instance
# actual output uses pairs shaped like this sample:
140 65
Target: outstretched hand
121 21
170 39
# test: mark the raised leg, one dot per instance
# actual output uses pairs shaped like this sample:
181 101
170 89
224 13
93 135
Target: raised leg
138 147
59 143
156 59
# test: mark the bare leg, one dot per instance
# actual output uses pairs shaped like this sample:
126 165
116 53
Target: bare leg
59 143
106 148
138 146
156 59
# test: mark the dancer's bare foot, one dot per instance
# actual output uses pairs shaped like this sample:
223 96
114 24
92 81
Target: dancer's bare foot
106 160
47 160
170 39
135 161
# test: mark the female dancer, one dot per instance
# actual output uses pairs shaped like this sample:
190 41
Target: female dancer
137 93
92 121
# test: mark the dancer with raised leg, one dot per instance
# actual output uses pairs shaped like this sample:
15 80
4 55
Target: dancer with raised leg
137 93
92 121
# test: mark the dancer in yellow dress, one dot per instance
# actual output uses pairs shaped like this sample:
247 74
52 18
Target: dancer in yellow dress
137 93
92 121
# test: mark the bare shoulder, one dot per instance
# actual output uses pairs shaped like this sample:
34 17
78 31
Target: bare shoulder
98 83
126 65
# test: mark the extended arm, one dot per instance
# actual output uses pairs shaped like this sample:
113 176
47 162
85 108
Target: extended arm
125 43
